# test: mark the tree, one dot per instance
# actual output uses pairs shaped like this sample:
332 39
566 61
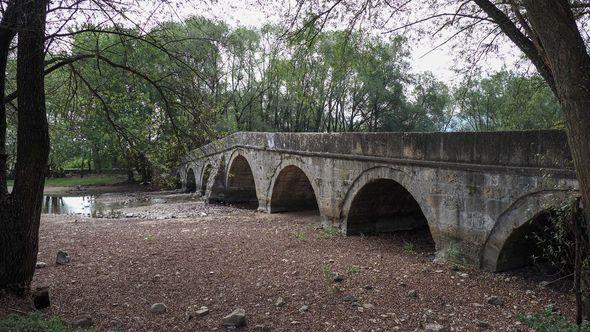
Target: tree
20 211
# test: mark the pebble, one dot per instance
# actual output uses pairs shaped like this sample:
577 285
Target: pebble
368 306
482 324
158 308
495 300
129 215
237 318
433 327
337 277
348 298
194 312
413 293
279 302
40 265
304 308
62 258
83 322
262 328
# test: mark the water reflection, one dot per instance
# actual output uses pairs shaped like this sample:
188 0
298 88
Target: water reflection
68 205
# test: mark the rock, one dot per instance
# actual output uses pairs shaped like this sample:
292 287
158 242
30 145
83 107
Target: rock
202 214
304 308
62 258
262 328
129 215
237 318
413 293
280 302
337 277
495 300
83 322
158 308
368 306
348 298
482 324
41 298
464 275
40 265
194 312
433 327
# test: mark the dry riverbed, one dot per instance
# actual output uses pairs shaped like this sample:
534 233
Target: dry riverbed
184 253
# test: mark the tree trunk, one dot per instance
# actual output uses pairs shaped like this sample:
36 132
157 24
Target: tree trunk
569 62
20 211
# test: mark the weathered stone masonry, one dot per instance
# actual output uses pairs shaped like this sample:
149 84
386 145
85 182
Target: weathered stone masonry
473 190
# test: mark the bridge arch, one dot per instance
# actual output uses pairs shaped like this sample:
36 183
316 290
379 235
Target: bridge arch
240 181
191 180
291 189
383 200
205 175
506 247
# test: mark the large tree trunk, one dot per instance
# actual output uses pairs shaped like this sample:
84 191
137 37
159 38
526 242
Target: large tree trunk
566 55
20 211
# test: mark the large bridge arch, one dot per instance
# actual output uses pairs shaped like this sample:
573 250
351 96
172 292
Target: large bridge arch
190 180
384 199
292 188
240 180
515 221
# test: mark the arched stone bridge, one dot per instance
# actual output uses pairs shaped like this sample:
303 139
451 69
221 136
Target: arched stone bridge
474 192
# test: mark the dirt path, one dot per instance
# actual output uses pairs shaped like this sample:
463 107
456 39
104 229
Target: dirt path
226 258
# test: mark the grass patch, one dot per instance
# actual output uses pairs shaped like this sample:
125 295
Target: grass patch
409 248
89 180
329 232
33 322
353 269
299 235
550 321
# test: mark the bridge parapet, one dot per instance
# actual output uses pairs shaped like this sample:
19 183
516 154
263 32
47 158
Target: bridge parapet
531 148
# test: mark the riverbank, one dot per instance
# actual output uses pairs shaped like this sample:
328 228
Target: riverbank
282 269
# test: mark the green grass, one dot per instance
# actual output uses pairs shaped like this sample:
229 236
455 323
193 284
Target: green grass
299 235
550 321
90 180
33 322
329 232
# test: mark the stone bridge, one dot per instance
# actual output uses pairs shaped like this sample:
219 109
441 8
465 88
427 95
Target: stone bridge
478 194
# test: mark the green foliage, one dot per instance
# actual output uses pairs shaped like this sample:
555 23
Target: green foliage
550 321
506 101
556 237
32 322
329 232
454 255
299 235
89 180
409 248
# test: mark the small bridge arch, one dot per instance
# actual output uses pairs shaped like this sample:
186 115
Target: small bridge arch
505 247
292 188
383 200
240 181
